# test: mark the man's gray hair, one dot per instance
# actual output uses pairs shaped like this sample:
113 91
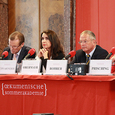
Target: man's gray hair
90 33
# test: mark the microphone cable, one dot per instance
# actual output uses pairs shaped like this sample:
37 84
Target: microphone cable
69 76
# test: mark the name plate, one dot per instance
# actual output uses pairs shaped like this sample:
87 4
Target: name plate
100 67
56 67
31 67
7 66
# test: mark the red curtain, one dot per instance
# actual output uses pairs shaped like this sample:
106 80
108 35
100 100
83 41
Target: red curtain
97 16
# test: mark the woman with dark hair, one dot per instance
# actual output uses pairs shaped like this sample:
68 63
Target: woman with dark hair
51 48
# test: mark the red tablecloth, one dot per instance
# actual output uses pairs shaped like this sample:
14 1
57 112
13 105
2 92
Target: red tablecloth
85 95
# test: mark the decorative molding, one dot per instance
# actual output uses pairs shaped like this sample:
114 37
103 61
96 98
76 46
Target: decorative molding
69 25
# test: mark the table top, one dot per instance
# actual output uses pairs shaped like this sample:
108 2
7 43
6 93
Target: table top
59 77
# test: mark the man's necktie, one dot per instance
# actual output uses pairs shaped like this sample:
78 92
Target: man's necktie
87 59
15 56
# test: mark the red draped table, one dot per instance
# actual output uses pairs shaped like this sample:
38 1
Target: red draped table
85 95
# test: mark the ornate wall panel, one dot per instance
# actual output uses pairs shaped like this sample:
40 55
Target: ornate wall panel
31 17
52 16
3 24
27 21
59 15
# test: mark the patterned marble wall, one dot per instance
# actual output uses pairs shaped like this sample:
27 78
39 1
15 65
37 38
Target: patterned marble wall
3 24
59 15
31 17
52 17
27 21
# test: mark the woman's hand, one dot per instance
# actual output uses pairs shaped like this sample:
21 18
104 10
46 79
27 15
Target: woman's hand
43 53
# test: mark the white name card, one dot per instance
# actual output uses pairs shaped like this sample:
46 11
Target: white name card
100 67
7 66
56 67
31 67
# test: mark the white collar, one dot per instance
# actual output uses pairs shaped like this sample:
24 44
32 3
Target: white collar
91 53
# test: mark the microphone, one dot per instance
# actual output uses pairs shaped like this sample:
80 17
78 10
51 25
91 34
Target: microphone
71 54
112 51
4 55
30 53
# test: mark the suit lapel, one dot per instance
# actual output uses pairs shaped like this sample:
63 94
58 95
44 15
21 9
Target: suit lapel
94 53
82 58
21 56
10 55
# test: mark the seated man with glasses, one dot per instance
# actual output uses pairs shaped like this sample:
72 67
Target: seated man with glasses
89 48
16 49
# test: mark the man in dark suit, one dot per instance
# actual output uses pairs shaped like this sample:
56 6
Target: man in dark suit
16 49
89 48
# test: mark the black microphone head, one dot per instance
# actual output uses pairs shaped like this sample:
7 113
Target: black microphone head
66 57
112 51
72 53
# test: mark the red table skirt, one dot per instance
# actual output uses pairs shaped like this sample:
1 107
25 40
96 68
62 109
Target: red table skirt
84 95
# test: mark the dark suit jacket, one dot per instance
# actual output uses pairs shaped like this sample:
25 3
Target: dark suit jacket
44 61
80 56
23 53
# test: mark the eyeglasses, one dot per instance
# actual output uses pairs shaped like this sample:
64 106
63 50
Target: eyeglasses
85 41
14 47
